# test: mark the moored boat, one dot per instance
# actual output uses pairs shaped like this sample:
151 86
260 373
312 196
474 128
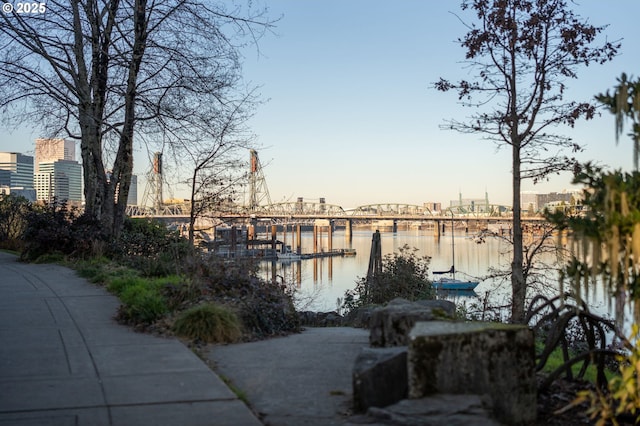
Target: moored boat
452 283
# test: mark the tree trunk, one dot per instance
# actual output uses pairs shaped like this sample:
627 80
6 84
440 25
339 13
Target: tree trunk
518 285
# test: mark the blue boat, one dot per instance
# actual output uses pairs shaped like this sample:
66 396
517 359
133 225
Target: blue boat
452 283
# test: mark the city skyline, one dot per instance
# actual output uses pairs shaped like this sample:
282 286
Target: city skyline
350 115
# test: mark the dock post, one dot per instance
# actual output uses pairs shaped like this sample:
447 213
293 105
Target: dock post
233 239
284 237
315 238
274 234
347 229
330 237
299 238
375 259
436 230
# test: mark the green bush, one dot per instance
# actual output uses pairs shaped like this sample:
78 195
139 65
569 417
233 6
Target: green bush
61 230
209 323
142 302
13 221
102 271
119 285
149 247
403 274
266 308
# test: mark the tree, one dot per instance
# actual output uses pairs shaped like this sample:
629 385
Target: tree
624 103
13 213
217 172
523 52
606 235
99 70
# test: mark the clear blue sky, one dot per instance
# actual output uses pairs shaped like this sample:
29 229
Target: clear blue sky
352 117
350 114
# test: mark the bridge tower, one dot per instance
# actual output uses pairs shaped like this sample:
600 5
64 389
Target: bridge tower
153 189
258 191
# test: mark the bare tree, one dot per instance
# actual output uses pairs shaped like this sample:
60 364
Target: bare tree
217 172
98 70
524 51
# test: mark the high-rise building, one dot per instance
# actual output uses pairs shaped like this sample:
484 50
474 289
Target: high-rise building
60 179
57 174
16 170
49 150
132 198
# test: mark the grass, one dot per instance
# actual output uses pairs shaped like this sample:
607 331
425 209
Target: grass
209 323
142 303
142 298
242 396
556 360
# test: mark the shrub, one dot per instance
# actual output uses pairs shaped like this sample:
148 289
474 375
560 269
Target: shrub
209 323
265 308
142 303
119 284
184 292
101 270
149 247
403 274
13 214
56 228
621 404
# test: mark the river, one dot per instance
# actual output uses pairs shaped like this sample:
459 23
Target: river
320 282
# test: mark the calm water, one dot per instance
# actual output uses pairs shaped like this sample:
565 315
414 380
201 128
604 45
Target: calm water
320 282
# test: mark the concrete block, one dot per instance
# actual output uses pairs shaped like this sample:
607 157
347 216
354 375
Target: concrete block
390 325
476 358
379 377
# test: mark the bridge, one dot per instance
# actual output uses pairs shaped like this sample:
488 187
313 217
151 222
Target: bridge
260 208
320 214
320 210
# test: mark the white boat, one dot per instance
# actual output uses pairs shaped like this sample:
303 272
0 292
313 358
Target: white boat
452 283
288 255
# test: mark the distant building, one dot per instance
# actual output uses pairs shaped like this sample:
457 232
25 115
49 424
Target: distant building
57 174
536 202
433 207
49 150
29 194
16 170
60 179
132 198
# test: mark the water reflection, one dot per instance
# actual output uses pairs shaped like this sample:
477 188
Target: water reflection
327 279
322 282
454 294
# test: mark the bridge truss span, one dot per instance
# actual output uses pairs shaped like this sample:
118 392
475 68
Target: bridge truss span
390 209
479 210
301 208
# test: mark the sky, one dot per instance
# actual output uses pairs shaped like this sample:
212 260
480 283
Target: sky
350 115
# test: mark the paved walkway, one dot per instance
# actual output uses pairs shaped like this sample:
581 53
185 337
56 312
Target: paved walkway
65 361
301 379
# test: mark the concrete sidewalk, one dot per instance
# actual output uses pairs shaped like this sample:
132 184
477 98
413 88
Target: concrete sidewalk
65 361
301 379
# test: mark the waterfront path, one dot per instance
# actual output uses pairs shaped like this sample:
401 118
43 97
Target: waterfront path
65 361
301 379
